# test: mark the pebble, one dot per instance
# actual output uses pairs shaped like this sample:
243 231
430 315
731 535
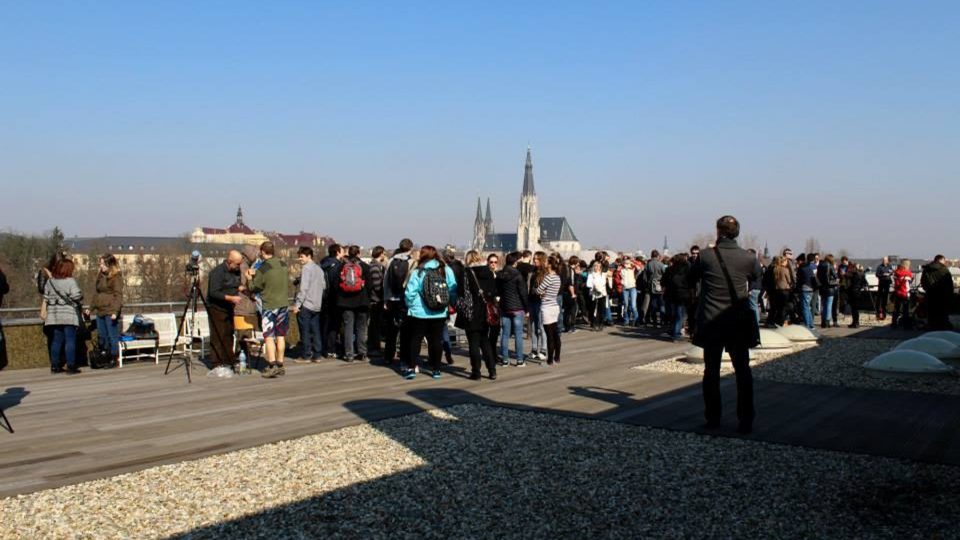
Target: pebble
475 471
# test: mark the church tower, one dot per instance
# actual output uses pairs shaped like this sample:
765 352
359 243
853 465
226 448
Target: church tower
488 221
528 228
479 228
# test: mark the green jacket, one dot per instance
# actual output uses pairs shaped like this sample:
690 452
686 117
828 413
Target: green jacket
270 282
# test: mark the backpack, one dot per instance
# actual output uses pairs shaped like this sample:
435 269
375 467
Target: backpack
398 276
435 293
465 300
351 277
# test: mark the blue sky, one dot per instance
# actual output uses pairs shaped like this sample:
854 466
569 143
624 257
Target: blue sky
370 121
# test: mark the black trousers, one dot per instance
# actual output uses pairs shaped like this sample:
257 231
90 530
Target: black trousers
374 326
481 351
713 403
391 323
432 329
570 308
221 337
493 336
938 313
553 341
883 298
853 300
330 326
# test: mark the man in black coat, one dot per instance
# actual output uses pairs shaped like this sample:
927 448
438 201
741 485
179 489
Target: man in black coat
725 320
937 286
4 289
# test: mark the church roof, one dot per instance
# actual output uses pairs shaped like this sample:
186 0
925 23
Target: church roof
501 242
556 229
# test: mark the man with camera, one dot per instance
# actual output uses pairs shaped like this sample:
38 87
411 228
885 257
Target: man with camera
223 294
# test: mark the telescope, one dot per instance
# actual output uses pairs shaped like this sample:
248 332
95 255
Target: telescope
193 267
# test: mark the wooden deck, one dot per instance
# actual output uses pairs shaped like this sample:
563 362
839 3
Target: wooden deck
99 424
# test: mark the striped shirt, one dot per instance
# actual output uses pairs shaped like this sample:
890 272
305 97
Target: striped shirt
549 289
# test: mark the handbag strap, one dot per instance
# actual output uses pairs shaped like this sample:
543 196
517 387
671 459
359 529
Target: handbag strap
726 274
476 282
65 299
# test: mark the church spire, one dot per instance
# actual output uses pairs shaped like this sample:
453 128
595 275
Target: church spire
239 215
528 176
488 221
479 218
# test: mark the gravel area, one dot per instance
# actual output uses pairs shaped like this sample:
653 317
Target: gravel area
474 471
835 362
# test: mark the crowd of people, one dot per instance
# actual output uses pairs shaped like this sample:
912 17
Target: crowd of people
352 307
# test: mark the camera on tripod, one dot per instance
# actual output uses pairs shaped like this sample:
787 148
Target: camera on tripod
193 266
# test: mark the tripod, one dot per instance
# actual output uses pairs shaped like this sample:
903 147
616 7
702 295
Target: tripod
6 421
193 298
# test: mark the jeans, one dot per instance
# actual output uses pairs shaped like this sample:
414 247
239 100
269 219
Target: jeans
826 308
806 297
445 339
64 340
679 314
630 313
108 334
656 308
560 320
311 340
354 332
511 323
755 303
607 314
538 341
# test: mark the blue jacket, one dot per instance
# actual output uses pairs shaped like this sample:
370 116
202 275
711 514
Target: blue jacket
415 307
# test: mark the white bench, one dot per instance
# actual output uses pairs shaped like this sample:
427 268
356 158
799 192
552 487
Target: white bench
197 332
166 326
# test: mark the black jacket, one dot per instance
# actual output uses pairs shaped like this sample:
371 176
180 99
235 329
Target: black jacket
221 283
807 277
4 287
512 290
936 280
676 281
481 289
718 321
352 300
331 271
828 278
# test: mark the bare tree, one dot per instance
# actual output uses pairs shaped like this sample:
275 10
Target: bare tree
812 245
750 241
704 240
160 276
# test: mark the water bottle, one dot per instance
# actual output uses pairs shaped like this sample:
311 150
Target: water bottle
243 362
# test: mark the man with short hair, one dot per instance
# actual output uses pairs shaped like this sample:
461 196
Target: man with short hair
271 281
493 263
394 284
884 275
307 306
726 322
353 303
654 273
937 283
223 295
375 324
330 316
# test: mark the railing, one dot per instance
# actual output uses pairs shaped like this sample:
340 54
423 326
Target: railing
31 316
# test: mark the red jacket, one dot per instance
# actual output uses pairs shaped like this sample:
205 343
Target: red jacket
901 282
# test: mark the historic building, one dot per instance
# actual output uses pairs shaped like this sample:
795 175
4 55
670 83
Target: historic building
533 232
239 234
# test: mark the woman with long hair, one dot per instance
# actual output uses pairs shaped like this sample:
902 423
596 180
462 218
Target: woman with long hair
538 344
549 289
679 293
829 284
425 317
477 281
597 285
62 296
107 304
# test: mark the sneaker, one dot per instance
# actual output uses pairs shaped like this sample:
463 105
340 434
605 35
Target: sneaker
281 371
502 362
556 360
270 372
435 374
360 357
493 375
409 374
475 376
521 363
534 355
73 370
550 362
416 369
449 357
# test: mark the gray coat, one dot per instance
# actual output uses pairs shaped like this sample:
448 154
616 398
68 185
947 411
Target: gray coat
62 310
717 323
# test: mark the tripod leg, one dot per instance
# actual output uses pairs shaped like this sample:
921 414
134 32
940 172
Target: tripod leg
183 318
6 421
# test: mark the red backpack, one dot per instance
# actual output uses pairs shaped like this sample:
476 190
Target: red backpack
351 277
